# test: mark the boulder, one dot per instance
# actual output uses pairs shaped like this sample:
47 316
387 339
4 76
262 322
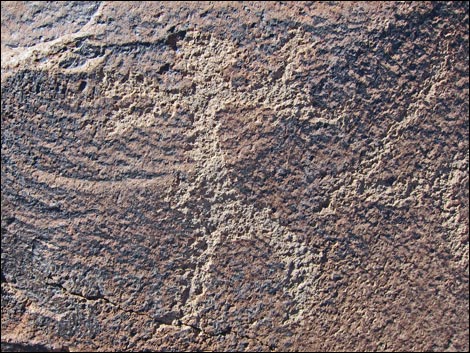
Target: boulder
235 176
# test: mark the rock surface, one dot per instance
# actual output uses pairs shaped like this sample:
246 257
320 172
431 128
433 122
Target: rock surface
235 176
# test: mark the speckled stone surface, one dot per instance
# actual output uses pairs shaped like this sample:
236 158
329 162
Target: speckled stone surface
230 176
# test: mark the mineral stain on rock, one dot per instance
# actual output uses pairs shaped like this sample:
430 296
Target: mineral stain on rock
234 176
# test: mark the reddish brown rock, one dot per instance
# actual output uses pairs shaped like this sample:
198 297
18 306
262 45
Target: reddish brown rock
235 176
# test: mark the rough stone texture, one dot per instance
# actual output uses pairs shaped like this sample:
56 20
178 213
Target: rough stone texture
235 176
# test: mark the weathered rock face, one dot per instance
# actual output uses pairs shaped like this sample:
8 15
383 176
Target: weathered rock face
235 176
